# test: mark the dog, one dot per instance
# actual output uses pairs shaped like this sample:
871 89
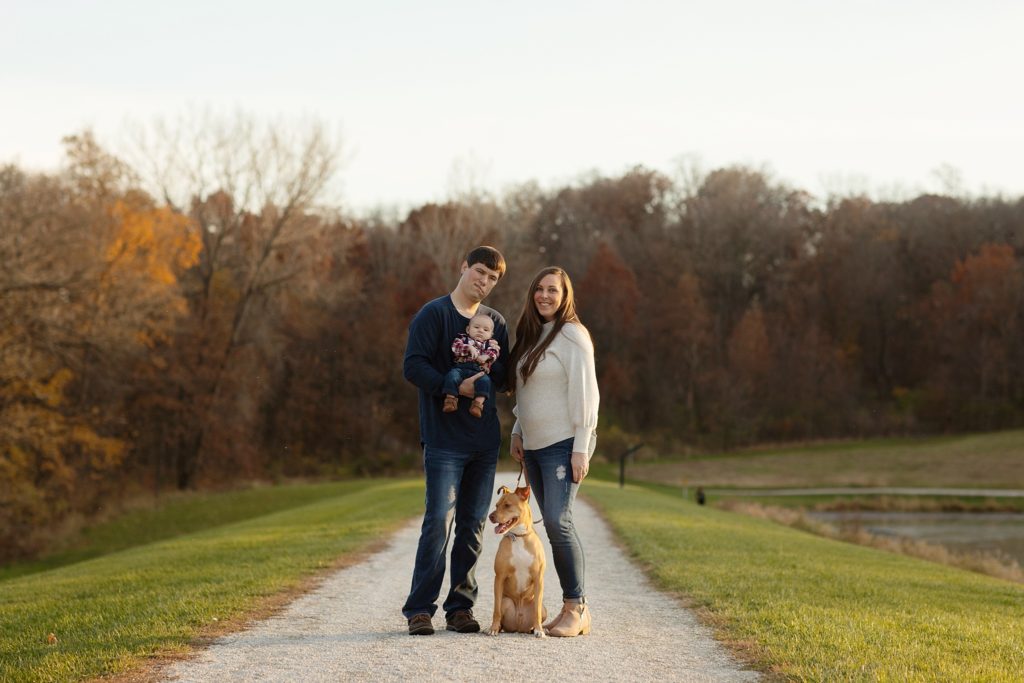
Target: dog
518 567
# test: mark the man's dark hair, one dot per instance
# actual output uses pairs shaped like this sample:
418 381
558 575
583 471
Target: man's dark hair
489 257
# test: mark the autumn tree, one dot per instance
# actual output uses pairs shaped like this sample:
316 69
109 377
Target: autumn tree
607 297
207 314
677 350
250 189
743 387
443 234
742 229
89 286
976 325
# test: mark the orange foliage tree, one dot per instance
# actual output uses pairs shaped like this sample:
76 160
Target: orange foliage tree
89 287
977 330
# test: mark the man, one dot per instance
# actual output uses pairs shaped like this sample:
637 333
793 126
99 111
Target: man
460 451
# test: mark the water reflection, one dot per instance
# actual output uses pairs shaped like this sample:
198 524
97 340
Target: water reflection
966 531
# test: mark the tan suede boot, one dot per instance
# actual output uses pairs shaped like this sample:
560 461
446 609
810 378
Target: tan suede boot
566 606
576 622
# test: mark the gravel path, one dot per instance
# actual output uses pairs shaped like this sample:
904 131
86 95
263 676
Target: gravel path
351 628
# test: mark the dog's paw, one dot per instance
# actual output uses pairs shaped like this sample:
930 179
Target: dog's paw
539 633
494 630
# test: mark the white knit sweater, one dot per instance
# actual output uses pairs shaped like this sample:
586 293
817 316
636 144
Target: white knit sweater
560 399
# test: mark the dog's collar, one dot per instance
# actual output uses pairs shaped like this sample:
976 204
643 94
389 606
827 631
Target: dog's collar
512 537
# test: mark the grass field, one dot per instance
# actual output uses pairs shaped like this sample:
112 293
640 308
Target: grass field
810 608
994 460
110 612
149 520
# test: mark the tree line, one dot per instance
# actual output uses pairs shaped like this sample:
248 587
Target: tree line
202 315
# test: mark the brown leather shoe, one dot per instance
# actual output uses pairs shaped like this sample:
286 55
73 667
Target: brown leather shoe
462 621
451 404
576 622
420 625
476 409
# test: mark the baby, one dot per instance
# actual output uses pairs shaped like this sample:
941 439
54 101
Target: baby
473 351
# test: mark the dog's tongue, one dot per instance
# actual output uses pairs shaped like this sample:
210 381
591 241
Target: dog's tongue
505 526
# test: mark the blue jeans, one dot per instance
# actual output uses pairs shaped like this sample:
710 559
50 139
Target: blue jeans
550 473
459 488
460 372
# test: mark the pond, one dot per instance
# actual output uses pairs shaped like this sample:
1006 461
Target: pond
962 531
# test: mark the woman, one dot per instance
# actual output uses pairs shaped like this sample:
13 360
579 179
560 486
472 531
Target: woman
556 414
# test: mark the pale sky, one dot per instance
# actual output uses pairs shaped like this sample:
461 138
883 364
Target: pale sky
863 95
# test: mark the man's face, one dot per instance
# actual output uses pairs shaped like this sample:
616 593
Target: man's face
481 328
477 281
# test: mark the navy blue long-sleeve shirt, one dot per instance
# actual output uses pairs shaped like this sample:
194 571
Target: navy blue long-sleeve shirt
428 358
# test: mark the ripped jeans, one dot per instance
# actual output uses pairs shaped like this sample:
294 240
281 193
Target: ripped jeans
550 473
459 489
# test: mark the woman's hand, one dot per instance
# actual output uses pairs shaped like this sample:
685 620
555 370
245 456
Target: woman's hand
516 448
580 466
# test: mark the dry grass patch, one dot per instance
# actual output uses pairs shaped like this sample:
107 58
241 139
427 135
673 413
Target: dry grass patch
993 460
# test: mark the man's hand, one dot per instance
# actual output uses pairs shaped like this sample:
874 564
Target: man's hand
466 388
516 449
580 466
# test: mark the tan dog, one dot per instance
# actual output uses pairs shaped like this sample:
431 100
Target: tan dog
518 567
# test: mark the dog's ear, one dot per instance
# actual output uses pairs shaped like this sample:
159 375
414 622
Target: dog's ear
502 490
523 492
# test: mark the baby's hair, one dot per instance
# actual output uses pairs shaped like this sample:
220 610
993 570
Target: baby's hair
482 315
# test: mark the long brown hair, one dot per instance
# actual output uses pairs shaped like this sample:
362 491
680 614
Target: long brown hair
528 328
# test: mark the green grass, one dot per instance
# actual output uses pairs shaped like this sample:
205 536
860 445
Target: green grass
993 460
810 608
111 611
177 514
806 607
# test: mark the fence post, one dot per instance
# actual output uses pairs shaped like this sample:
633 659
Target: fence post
622 464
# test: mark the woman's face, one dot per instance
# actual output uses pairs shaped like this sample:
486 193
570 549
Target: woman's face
548 296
